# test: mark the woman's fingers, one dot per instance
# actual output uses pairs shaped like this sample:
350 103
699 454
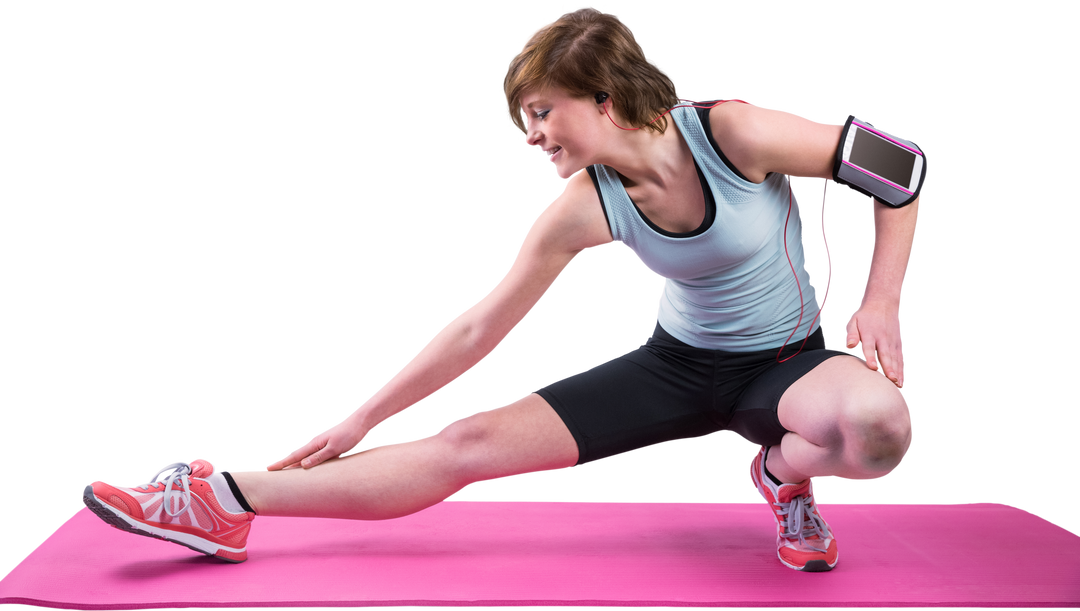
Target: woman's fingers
880 339
327 446
295 459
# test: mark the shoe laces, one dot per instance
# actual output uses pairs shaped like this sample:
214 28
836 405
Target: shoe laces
801 521
180 471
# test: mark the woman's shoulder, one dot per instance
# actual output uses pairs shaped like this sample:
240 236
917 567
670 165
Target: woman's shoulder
738 129
578 214
760 141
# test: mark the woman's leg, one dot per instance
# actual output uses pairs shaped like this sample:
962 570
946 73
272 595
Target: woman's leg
397 480
845 420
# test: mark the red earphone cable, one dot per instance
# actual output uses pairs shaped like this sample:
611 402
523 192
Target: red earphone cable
736 98
828 256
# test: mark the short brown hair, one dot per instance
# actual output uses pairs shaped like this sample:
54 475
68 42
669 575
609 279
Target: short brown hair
587 52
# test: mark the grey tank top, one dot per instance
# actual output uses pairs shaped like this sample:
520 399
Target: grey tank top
729 286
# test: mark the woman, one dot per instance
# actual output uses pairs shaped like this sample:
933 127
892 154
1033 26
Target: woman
701 195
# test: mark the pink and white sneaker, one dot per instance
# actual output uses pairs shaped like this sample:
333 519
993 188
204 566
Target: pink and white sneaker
175 504
803 539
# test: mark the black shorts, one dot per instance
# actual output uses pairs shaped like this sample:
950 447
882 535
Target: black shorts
669 390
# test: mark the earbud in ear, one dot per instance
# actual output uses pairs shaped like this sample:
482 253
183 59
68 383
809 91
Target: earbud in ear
601 97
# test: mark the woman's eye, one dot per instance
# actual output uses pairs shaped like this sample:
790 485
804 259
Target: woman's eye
542 114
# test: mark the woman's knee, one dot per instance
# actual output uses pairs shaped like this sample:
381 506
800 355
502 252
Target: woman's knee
876 429
461 438
522 437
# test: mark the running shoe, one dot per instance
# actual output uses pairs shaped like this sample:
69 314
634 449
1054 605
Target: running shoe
803 539
182 509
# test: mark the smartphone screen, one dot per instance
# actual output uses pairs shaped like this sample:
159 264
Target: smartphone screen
889 161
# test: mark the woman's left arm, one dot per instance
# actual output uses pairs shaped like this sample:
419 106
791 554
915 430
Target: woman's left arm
875 326
759 141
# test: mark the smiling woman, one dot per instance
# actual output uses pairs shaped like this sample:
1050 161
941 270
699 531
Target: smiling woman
584 51
700 193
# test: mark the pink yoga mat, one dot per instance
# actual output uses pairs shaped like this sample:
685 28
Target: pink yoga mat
614 554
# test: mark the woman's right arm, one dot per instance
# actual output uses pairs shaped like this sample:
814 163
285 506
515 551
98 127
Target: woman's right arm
570 223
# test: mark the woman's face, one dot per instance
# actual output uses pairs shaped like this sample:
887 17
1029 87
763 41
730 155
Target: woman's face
568 129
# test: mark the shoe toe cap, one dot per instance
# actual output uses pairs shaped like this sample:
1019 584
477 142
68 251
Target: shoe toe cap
810 560
117 499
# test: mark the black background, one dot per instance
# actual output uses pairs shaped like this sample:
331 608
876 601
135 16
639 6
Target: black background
237 227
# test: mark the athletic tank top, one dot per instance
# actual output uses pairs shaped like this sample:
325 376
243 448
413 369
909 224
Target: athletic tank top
729 286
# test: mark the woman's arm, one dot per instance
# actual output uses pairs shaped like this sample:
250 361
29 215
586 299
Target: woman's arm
569 225
759 141
891 252
877 322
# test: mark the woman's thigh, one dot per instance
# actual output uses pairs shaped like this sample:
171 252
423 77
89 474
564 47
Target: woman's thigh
657 393
760 383
522 437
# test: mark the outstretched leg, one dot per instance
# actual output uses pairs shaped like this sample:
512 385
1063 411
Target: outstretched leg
397 480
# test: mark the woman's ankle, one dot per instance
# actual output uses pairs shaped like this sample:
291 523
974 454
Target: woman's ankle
241 487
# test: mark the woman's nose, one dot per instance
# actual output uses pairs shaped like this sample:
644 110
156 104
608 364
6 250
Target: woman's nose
531 138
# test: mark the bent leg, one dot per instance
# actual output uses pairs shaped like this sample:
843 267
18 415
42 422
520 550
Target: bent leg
397 480
845 420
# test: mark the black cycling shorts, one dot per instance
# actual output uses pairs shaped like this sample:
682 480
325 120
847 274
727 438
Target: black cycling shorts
669 390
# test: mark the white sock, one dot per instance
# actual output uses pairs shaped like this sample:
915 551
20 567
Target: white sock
224 494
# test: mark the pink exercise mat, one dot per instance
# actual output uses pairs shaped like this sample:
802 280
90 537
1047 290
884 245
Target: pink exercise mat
613 554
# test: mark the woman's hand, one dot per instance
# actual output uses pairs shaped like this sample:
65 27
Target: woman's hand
877 326
331 444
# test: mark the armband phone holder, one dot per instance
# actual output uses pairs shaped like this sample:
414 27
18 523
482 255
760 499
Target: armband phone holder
878 164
